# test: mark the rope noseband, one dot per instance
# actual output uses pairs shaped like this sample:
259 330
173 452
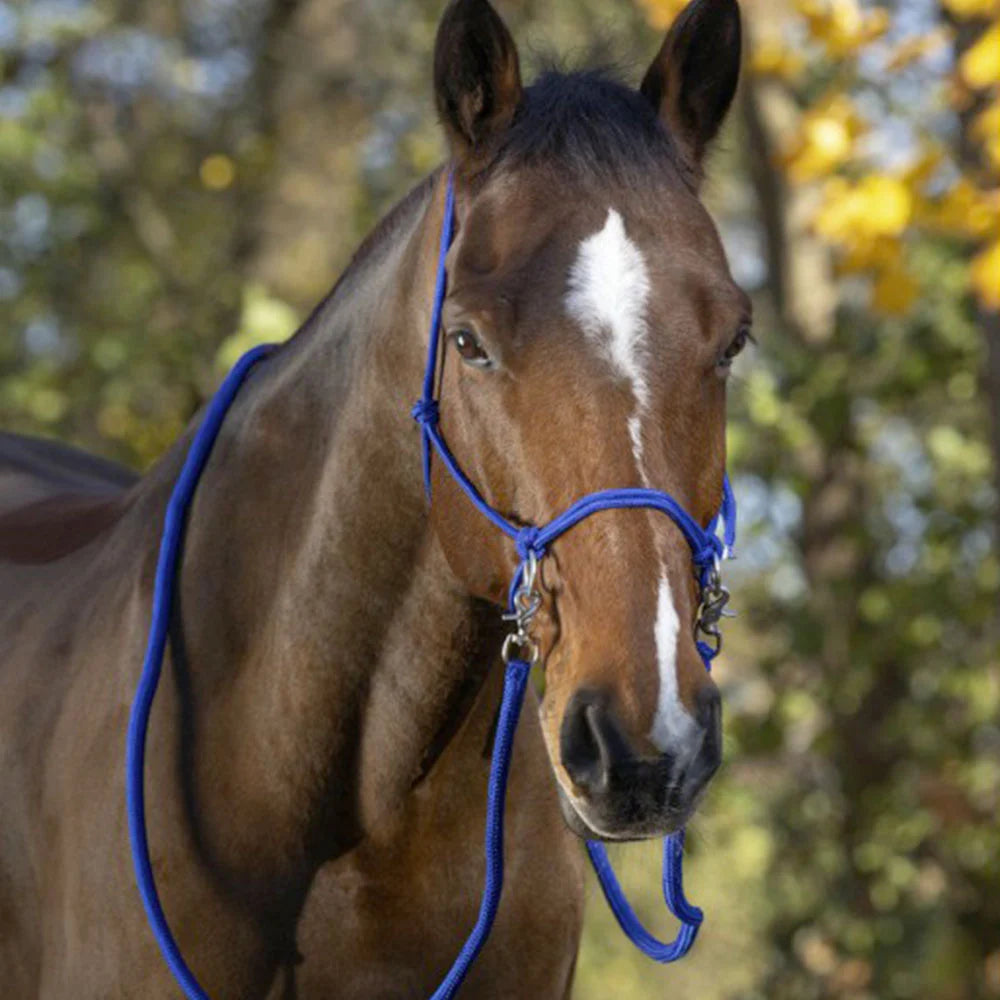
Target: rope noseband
519 653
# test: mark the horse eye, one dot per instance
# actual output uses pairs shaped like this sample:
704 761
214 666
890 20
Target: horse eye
736 345
468 346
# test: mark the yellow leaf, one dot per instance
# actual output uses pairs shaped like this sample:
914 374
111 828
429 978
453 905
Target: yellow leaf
824 140
830 137
985 276
217 172
964 210
986 128
835 217
888 204
964 9
841 26
980 65
916 47
895 291
771 57
924 167
992 148
873 255
853 216
661 13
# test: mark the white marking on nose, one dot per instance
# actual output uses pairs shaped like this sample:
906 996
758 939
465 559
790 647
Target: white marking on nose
607 295
672 725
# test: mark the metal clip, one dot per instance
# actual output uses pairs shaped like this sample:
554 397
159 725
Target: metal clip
712 608
526 602
519 647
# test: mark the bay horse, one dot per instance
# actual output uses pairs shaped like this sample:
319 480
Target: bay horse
318 751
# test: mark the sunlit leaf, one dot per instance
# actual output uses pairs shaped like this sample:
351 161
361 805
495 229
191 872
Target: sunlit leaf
824 139
986 129
217 172
894 292
980 64
985 275
661 13
843 26
970 8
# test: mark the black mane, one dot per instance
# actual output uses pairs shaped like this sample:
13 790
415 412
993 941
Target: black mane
587 122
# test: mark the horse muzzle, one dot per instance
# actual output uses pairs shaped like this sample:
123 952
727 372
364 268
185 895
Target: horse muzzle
620 794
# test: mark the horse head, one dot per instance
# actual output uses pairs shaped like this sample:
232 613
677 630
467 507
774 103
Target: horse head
590 325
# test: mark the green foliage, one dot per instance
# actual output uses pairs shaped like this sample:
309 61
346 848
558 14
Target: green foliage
119 266
886 681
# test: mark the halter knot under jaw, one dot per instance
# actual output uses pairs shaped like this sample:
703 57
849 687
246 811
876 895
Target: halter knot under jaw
528 544
708 557
426 412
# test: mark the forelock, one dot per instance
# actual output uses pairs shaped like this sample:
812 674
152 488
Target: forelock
590 125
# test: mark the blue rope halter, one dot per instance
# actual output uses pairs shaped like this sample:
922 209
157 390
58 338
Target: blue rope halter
531 543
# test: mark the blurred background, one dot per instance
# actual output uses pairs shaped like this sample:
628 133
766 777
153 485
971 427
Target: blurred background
180 179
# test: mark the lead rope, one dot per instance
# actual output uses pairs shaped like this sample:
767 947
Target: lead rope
531 543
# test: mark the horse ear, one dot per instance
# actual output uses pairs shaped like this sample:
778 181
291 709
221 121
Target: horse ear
693 78
477 76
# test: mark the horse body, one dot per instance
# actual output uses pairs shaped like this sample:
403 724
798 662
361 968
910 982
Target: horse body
322 730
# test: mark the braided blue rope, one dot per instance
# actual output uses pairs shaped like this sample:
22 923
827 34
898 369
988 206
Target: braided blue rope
673 893
159 629
515 683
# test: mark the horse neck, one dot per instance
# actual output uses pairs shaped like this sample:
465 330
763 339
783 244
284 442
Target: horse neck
325 640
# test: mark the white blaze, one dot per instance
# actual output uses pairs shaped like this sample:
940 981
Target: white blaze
672 722
608 295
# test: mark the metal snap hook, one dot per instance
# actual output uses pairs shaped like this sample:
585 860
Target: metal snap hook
518 646
524 606
712 607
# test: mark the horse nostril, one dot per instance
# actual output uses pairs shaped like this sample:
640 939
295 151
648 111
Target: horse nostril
590 743
708 707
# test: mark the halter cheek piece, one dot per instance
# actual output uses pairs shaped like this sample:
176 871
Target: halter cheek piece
520 652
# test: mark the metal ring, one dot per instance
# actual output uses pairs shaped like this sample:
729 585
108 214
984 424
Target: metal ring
516 643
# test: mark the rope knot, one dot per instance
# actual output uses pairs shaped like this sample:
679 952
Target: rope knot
704 557
426 412
526 542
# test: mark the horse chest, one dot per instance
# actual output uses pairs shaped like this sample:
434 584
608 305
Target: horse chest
386 919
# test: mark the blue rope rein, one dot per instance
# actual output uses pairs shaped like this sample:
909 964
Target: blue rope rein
514 685
673 894
159 630
531 542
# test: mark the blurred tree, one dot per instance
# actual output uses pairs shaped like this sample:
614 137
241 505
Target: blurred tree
131 150
866 406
